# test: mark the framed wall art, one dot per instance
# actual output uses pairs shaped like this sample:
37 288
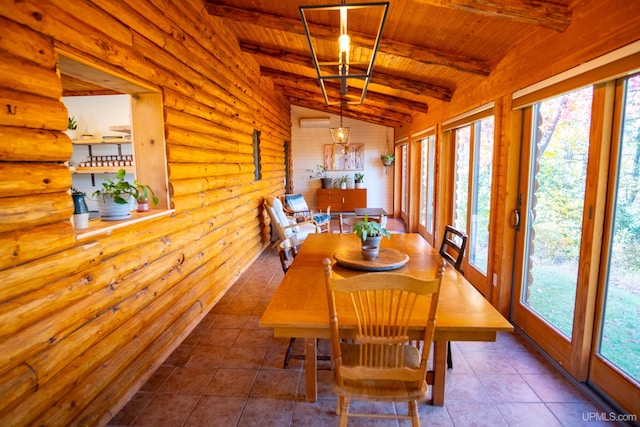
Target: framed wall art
341 158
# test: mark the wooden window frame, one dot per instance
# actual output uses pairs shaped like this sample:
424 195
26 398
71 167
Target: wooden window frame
149 144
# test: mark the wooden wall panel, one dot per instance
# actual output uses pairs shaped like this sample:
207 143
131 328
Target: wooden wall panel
83 324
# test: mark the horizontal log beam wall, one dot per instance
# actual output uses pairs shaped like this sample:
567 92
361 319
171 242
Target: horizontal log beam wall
82 325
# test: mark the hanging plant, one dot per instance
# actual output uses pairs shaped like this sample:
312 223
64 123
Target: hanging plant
387 159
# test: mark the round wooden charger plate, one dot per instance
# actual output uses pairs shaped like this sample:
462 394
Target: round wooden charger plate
388 259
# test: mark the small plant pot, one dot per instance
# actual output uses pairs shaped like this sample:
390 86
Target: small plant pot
372 241
370 253
326 182
359 185
343 185
143 206
112 211
81 221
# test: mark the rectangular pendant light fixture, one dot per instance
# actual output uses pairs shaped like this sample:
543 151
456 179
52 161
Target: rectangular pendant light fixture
340 68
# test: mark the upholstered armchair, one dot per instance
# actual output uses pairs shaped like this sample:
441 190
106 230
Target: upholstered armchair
295 205
284 226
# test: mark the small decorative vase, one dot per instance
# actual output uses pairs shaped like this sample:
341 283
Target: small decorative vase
143 206
326 182
370 253
79 204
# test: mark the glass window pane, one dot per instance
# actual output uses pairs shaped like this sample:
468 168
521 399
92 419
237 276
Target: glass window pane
559 154
461 179
423 182
431 176
481 196
620 339
427 183
405 179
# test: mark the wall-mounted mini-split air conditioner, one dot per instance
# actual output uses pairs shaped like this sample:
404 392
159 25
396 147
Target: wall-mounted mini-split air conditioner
315 122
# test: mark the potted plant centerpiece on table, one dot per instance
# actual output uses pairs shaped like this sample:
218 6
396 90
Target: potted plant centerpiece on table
370 234
114 197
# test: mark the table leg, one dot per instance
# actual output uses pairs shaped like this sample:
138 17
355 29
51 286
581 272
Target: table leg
440 368
311 368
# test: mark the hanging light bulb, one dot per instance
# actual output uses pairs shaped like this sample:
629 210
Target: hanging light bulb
342 134
344 43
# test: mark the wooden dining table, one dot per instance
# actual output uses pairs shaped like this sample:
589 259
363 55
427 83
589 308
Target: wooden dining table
299 307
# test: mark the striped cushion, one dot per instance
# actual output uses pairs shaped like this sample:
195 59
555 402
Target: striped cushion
321 218
296 203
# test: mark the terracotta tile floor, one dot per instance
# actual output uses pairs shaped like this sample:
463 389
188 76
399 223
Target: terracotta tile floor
228 372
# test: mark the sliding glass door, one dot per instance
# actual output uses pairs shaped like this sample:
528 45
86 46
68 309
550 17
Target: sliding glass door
615 365
556 194
577 269
405 187
472 189
426 220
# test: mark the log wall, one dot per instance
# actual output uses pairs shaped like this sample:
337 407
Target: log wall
83 325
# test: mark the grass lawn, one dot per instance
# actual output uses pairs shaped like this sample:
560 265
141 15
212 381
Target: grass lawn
552 296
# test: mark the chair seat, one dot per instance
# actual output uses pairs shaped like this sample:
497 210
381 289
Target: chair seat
351 355
321 218
304 229
381 390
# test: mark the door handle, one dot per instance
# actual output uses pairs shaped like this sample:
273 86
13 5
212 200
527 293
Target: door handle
516 219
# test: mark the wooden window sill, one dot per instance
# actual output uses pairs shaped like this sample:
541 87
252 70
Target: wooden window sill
98 227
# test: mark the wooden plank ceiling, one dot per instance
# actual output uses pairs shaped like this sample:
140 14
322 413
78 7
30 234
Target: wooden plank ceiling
428 47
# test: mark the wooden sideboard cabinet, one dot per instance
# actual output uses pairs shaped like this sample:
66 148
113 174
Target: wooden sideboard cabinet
341 200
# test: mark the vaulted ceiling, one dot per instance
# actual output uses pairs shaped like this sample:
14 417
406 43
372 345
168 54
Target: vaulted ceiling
428 47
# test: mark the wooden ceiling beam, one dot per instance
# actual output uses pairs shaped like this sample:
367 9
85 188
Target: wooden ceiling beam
311 85
406 50
378 78
366 113
536 12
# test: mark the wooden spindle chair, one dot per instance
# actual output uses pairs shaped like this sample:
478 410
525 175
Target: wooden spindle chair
287 251
374 358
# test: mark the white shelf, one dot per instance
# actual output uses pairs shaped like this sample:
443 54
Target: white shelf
102 169
91 141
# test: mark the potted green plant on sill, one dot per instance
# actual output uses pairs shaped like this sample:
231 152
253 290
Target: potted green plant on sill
115 195
72 125
144 195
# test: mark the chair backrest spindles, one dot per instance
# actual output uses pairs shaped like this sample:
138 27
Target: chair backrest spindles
382 306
